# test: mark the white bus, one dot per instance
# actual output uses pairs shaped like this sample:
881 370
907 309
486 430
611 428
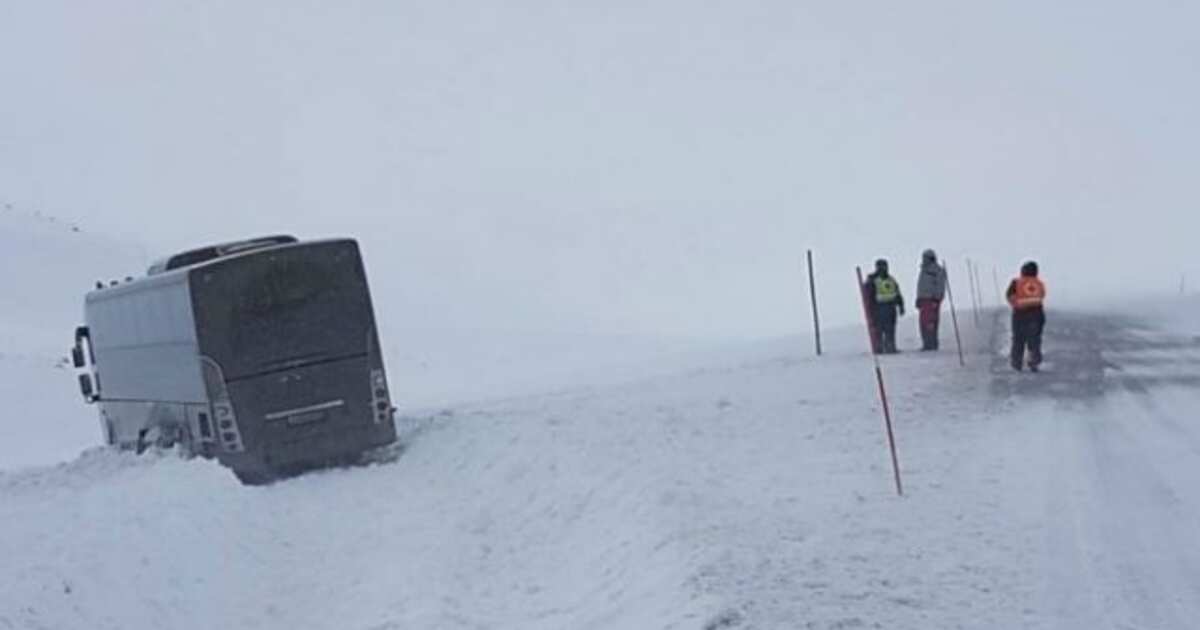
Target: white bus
263 354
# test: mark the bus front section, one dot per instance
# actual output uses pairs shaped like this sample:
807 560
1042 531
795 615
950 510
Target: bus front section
291 359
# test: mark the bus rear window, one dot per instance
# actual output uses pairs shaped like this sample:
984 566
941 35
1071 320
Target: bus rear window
284 287
264 311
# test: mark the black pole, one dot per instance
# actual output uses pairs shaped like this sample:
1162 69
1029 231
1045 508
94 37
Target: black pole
812 291
954 317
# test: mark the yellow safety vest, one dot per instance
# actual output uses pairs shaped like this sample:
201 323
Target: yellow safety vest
886 290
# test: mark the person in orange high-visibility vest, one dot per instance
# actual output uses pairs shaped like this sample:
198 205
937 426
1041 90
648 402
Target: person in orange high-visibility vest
1027 295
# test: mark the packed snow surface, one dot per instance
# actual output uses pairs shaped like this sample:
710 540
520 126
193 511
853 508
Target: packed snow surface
752 493
748 487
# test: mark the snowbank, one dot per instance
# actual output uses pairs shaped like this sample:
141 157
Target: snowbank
753 489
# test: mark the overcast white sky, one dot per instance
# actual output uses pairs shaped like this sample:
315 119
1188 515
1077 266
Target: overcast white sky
621 167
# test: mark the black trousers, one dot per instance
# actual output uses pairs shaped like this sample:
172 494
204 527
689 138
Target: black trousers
1027 328
885 328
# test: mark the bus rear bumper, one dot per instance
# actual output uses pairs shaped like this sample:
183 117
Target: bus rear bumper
344 447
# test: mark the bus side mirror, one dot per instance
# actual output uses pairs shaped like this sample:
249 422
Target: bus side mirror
87 388
77 357
83 333
89 383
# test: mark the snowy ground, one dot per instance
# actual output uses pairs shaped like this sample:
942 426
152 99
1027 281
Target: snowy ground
1106 485
753 492
49 265
743 486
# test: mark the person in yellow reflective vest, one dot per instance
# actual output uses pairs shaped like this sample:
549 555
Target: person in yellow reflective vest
1027 295
885 304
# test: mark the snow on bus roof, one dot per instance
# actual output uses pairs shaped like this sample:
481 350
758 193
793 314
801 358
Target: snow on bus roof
210 252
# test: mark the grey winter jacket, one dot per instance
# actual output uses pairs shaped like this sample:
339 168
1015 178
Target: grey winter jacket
931 284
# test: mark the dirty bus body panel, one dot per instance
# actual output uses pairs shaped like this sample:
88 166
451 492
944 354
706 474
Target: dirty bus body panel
290 333
143 335
266 359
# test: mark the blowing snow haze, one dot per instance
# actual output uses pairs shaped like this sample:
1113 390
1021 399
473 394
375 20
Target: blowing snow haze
584 229
617 168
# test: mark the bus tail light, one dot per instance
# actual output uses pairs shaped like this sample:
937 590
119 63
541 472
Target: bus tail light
380 404
228 434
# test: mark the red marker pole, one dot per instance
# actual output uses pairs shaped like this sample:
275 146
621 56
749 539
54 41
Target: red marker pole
954 317
874 334
812 291
887 414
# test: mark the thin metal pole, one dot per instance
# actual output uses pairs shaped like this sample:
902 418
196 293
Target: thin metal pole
996 282
974 303
887 413
954 317
970 289
812 291
979 288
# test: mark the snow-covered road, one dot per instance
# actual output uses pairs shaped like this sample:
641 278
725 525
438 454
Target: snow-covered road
750 492
1112 433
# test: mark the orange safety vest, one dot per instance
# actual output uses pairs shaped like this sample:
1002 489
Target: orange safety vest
1030 292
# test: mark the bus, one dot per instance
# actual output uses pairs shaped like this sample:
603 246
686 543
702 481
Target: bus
262 354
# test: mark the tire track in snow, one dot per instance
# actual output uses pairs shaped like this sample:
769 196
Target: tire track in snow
1117 483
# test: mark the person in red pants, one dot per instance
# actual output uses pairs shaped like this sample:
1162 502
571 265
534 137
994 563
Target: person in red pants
931 289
